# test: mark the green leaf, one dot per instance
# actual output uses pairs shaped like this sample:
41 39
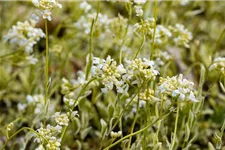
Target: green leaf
85 132
104 127
76 125
210 146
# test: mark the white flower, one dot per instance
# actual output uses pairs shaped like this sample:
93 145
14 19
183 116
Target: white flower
140 1
36 3
145 27
139 11
45 7
115 134
192 98
181 36
61 119
47 15
177 86
24 35
21 106
184 2
85 6
40 147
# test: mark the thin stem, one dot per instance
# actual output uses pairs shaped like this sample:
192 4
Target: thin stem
81 92
175 128
159 123
137 132
126 31
24 128
142 44
46 61
88 69
133 124
153 38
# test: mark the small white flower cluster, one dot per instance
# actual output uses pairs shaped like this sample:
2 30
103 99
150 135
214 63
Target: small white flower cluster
138 10
37 101
49 136
184 2
61 119
45 7
218 64
138 7
85 6
176 86
115 134
24 35
140 70
109 72
140 1
181 36
148 95
135 72
145 27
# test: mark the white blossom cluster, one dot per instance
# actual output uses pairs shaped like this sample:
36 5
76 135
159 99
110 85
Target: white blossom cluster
44 8
134 72
109 72
177 86
145 27
181 36
61 119
140 1
115 134
140 70
148 95
49 136
24 35
85 6
218 64
138 8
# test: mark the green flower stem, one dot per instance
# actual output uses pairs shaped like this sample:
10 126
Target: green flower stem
126 31
134 121
175 128
120 115
74 105
142 44
159 123
46 61
153 38
139 131
17 132
90 57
